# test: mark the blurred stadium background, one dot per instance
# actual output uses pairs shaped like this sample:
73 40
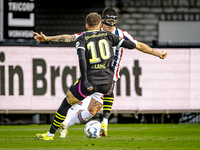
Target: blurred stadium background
165 93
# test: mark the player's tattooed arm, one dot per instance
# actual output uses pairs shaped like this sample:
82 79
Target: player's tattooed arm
59 38
62 38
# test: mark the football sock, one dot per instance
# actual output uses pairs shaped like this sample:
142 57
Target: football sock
80 118
72 111
59 116
50 134
105 120
107 105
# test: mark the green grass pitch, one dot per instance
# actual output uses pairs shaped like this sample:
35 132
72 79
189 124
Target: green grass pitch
120 136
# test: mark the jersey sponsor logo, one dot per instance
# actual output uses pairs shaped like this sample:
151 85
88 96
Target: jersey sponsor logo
95 36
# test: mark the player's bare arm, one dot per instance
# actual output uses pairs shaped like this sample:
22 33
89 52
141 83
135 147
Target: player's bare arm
66 38
146 49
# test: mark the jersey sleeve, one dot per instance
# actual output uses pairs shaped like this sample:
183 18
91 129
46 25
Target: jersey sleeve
114 39
127 36
119 42
77 35
80 47
80 44
127 44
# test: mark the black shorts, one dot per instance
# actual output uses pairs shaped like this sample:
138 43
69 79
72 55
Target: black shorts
81 92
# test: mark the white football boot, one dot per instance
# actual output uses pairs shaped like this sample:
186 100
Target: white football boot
63 131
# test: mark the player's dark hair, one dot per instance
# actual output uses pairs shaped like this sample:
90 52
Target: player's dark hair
108 11
93 19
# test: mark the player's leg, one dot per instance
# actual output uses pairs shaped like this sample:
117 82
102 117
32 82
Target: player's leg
80 92
75 108
107 106
95 105
59 116
71 112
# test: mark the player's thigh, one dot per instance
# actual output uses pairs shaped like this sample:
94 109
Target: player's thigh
74 94
70 98
109 96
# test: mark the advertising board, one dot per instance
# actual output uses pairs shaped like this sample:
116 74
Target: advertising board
37 78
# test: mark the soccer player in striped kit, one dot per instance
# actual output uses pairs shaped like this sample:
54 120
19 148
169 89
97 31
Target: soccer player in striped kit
109 19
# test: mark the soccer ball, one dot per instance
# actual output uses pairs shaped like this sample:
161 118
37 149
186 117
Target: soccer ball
92 129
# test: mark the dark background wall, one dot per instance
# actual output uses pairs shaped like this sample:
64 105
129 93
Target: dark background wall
139 17
64 18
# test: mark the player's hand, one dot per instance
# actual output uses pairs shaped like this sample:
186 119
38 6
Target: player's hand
87 85
163 54
40 37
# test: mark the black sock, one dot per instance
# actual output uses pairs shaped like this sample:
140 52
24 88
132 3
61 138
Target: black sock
59 116
107 105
